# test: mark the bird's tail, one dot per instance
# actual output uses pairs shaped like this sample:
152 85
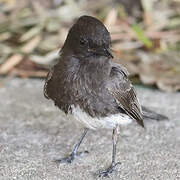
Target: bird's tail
149 114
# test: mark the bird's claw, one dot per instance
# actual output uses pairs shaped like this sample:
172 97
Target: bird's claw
109 170
71 157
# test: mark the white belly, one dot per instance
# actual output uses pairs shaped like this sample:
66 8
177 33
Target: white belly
96 123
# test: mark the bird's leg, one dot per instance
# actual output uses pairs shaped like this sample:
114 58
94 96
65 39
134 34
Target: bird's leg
111 168
75 152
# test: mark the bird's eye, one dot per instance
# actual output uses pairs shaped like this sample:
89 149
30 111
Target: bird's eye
83 41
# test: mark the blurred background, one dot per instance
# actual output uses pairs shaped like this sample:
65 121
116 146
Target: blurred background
145 36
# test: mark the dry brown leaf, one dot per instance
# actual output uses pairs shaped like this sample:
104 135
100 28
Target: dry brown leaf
31 45
161 69
29 73
148 18
10 63
171 84
111 18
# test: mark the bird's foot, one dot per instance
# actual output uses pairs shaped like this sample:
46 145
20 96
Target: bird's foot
108 171
71 157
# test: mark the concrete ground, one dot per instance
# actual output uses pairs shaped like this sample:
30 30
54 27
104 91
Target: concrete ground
33 133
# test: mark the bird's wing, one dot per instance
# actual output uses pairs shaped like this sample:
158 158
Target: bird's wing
123 91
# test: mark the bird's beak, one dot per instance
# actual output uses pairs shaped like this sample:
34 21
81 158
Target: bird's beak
108 52
102 51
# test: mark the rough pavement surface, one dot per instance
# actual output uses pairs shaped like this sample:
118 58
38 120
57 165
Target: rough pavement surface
33 133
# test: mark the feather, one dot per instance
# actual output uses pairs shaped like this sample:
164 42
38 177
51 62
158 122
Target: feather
124 94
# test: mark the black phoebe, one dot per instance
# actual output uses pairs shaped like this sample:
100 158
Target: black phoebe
88 86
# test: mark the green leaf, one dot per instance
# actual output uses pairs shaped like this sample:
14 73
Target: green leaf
141 36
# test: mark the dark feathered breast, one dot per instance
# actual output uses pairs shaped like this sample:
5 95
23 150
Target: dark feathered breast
73 84
76 86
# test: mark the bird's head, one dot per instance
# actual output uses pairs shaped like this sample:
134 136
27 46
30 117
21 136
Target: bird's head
88 37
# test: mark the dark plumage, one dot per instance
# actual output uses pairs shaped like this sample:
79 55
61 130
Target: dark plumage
87 84
86 77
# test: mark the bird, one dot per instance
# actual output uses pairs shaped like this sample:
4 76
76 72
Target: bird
90 88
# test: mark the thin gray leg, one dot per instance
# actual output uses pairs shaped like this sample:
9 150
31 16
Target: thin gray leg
111 168
80 141
75 152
